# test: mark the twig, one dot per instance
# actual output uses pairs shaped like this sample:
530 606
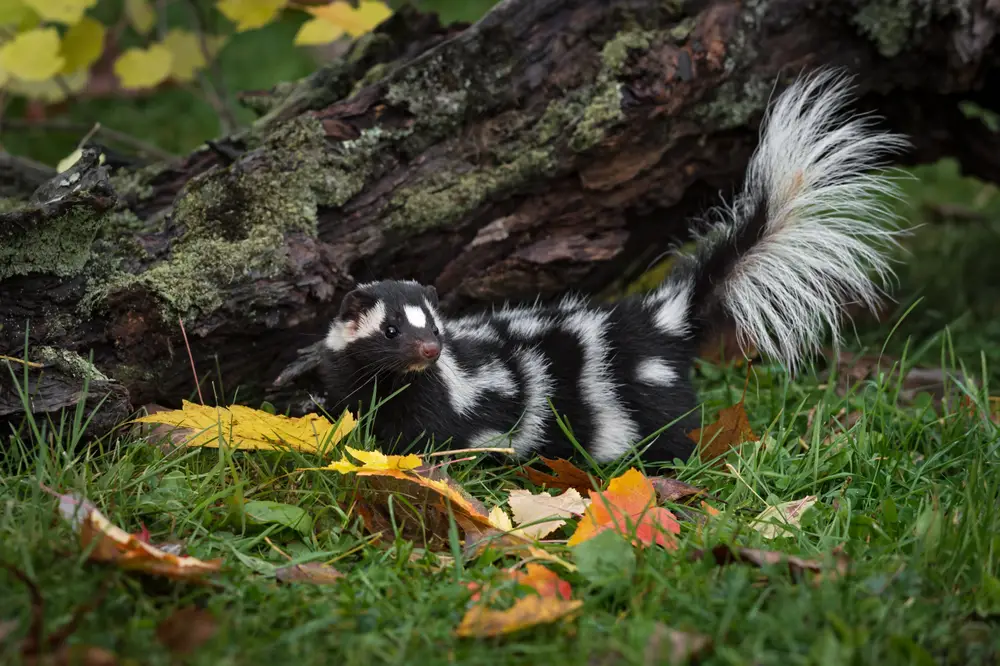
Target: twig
30 364
187 346
508 451
121 137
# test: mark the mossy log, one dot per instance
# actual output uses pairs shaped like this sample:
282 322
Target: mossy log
554 144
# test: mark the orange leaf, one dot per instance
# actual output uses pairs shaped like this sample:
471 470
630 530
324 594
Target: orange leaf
551 600
628 506
115 545
526 612
567 475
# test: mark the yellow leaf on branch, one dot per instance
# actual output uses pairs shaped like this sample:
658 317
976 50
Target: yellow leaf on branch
353 21
317 31
245 428
16 13
49 90
82 45
68 12
188 58
33 55
144 68
141 15
251 14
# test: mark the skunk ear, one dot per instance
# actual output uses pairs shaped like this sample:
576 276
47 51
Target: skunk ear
355 302
432 295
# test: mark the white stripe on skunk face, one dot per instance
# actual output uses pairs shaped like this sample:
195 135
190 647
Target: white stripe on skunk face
388 326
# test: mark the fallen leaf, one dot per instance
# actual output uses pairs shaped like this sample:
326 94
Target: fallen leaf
309 572
354 21
567 475
245 428
789 513
538 515
797 566
680 647
32 55
730 430
8 627
672 490
549 600
628 507
421 506
186 630
115 545
526 612
138 68
68 161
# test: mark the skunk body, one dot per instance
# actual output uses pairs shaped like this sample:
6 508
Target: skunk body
800 241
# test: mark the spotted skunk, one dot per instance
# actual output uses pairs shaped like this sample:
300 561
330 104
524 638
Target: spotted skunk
801 240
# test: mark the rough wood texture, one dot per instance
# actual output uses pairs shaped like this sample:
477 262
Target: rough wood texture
553 144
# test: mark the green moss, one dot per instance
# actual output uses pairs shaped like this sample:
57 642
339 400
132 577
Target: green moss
735 103
69 362
60 246
446 199
136 185
615 52
603 111
891 24
374 73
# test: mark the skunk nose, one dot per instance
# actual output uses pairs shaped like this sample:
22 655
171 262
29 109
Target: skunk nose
429 350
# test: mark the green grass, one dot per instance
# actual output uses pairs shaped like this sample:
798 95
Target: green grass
910 494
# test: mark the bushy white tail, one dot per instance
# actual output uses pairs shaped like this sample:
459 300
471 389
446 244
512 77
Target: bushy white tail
807 234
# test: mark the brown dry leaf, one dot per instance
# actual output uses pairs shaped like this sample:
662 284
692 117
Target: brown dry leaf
422 505
768 522
549 601
730 430
567 475
7 627
309 572
186 630
115 545
537 515
678 646
797 566
672 490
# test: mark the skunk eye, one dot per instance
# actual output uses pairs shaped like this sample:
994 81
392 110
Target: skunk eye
391 332
435 330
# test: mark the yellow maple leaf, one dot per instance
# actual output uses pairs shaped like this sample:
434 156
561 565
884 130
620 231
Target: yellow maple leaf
245 428
33 55
250 14
317 31
68 12
187 53
144 68
82 44
16 13
374 461
354 22
141 15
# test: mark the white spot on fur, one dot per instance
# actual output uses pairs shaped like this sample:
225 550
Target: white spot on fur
466 387
415 315
526 325
434 315
656 371
343 333
670 308
489 438
614 430
529 432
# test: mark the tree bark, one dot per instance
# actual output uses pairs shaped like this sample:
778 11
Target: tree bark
554 144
